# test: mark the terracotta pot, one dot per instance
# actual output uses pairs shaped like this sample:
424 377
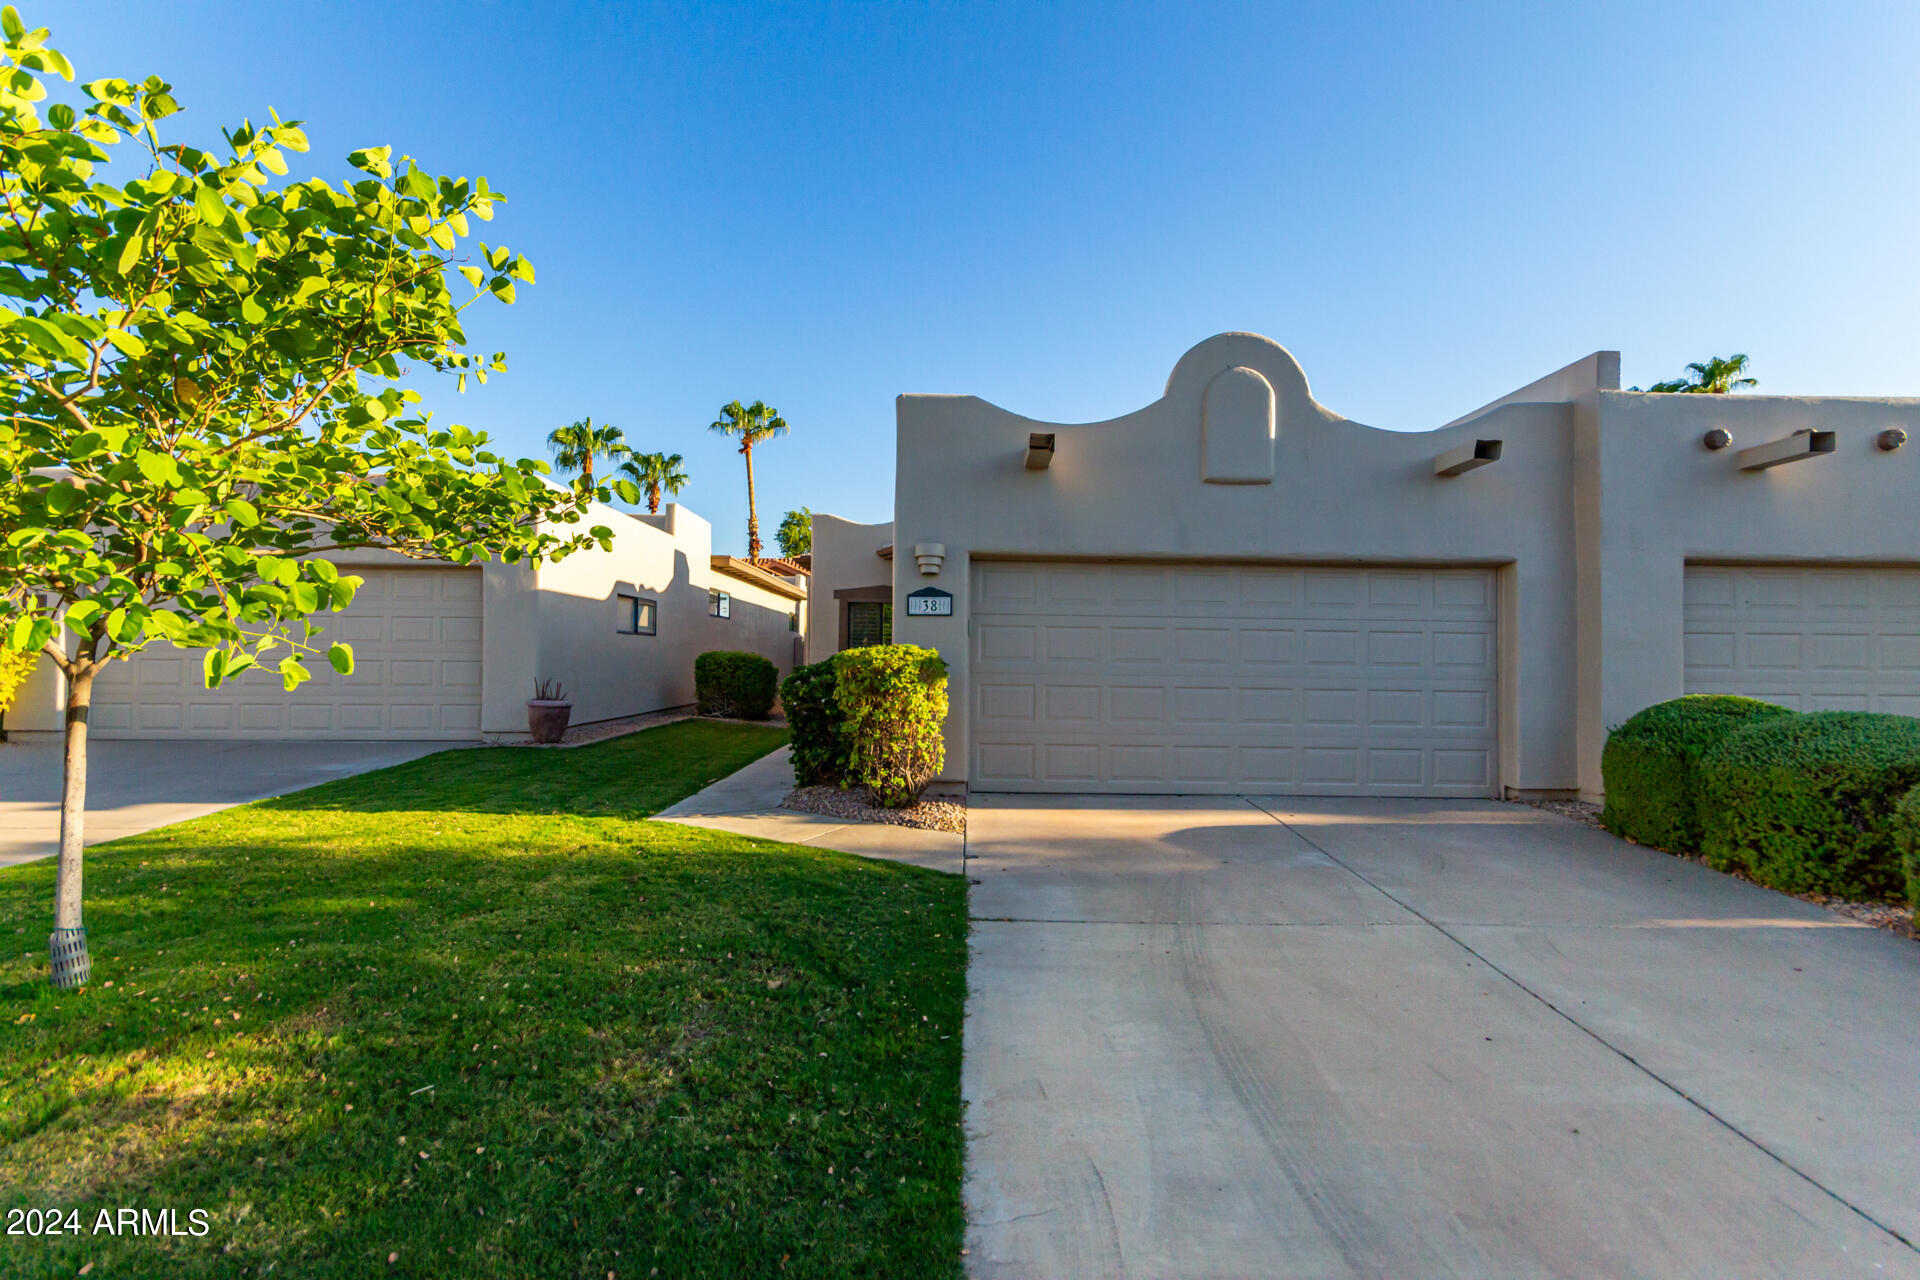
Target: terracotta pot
547 721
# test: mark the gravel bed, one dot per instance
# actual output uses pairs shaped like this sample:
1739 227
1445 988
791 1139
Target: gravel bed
1893 917
928 815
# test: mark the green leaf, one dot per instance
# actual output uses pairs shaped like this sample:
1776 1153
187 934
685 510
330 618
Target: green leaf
62 498
251 311
214 667
293 673
323 570
79 613
502 289
243 512
629 492
158 467
341 656
474 275
212 209
306 597
128 343
10 22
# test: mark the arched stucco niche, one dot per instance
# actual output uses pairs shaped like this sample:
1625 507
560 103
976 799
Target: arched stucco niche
1222 385
1236 428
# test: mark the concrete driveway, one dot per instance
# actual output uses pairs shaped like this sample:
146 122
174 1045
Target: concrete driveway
136 786
1228 1037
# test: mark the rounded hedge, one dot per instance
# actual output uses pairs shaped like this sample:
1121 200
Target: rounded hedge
727 682
1806 803
893 703
1648 766
1906 841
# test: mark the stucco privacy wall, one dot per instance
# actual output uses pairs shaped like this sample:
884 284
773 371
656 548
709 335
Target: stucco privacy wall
1340 493
846 559
1661 500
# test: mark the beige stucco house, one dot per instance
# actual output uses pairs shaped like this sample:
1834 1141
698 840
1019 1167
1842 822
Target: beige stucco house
1236 589
451 652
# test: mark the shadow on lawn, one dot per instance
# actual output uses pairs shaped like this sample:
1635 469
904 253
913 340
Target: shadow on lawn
505 1043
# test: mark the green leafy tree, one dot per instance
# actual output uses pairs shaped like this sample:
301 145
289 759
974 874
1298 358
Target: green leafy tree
750 425
198 399
653 472
795 534
576 445
1714 377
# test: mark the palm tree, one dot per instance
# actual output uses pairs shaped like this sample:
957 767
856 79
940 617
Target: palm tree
576 446
654 472
750 424
1714 377
795 534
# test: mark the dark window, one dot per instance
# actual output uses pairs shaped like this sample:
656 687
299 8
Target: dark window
719 604
869 622
636 616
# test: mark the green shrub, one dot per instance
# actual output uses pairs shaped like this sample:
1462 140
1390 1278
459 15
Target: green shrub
822 753
1906 840
1648 766
894 700
1805 803
727 682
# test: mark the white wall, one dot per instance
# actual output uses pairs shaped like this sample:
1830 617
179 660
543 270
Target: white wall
846 556
562 620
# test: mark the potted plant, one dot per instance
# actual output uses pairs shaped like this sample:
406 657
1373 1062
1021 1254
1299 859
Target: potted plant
548 711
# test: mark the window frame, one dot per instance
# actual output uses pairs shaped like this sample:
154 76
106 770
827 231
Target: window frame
636 604
719 604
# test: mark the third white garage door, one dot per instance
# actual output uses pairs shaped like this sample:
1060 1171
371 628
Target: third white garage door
1810 637
1200 678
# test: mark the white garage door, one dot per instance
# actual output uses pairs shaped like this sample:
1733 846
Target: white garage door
1820 638
416 642
1231 678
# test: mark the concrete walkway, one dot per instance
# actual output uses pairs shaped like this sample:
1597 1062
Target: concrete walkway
135 786
1230 1037
748 803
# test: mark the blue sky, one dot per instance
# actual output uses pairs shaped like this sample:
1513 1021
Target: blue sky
826 205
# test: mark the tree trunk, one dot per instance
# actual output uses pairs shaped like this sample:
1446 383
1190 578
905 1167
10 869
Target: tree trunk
72 966
753 518
653 499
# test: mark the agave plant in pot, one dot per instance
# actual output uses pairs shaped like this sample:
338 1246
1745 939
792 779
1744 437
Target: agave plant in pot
548 711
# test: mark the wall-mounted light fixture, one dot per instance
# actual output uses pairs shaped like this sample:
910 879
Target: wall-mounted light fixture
1717 439
1039 450
1796 447
930 556
1466 458
1890 439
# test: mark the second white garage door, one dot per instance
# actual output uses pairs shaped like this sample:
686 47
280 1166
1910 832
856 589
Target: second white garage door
1809 637
416 640
1211 678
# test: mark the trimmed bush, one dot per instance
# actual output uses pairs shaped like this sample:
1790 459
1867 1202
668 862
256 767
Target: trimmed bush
738 685
1906 841
1805 803
822 754
1648 766
894 700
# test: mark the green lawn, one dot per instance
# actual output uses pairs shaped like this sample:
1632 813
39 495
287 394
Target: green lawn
475 1012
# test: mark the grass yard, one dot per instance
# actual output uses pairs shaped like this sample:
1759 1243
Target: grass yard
474 1016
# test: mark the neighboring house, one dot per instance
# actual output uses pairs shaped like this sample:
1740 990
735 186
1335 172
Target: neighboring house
451 652
1234 589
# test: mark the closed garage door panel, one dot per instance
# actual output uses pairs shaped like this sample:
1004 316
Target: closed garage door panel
1813 638
1232 678
416 641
